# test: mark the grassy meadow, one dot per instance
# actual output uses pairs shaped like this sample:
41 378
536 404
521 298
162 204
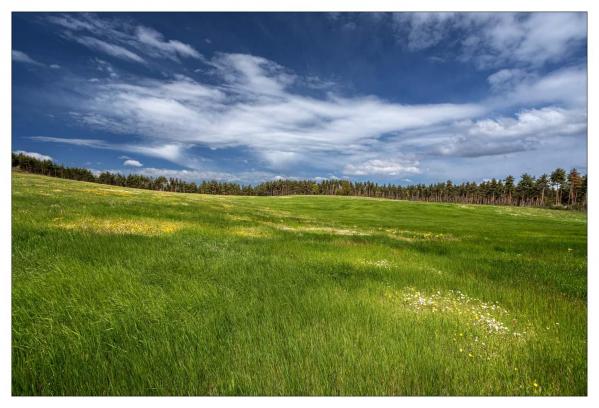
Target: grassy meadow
119 291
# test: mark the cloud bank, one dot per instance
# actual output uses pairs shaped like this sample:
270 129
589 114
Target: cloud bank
35 155
255 105
494 39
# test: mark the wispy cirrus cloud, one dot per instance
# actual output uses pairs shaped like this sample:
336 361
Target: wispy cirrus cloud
507 79
171 152
154 43
253 104
253 108
495 39
111 49
20 56
121 38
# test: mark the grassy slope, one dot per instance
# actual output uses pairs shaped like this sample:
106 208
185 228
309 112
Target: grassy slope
125 292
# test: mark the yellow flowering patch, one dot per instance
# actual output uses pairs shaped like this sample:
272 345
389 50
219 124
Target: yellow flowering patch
322 230
238 218
278 213
108 192
410 236
250 232
121 226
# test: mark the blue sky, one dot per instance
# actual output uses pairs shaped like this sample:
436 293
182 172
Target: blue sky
248 97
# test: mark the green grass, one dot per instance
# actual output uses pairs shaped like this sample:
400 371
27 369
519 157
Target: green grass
130 292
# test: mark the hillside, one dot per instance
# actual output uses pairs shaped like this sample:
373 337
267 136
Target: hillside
121 291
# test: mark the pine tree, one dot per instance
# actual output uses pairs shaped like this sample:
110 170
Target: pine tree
509 188
542 185
575 181
558 178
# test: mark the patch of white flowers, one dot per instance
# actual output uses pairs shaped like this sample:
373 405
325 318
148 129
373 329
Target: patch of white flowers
382 263
476 312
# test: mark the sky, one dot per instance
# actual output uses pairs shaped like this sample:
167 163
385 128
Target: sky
248 97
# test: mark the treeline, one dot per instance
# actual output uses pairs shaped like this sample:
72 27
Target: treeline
559 189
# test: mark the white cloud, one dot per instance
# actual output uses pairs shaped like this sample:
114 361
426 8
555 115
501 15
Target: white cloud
506 79
526 130
55 66
243 177
251 74
389 167
424 30
110 49
75 22
254 107
105 67
567 86
517 38
542 122
171 48
35 155
279 159
171 152
132 163
120 38
77 142
495 39
550 36
249 104
19 56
